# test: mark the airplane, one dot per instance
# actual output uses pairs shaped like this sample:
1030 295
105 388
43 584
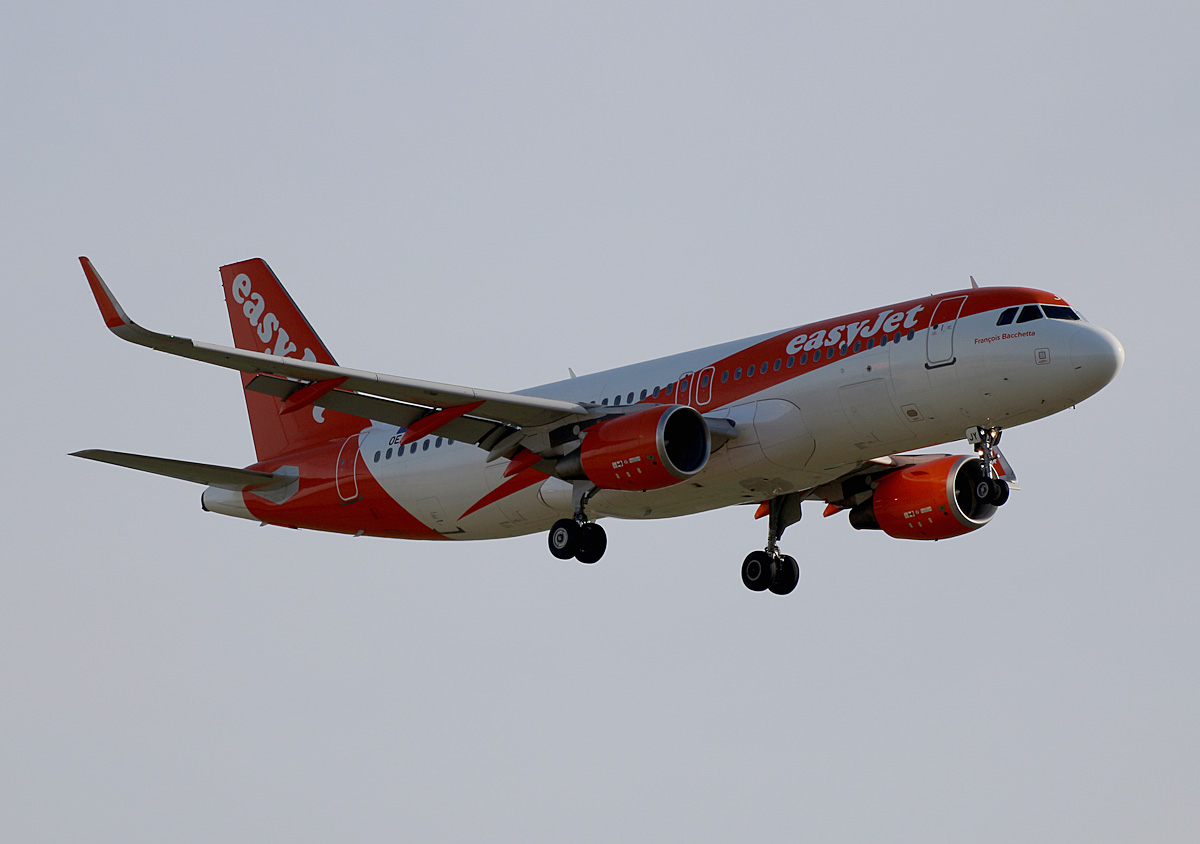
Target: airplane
828 411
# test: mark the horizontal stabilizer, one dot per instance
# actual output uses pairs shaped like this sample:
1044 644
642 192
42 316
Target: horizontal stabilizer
224 477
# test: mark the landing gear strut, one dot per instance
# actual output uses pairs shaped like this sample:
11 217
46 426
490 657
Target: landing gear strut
990 488
771 569
579 538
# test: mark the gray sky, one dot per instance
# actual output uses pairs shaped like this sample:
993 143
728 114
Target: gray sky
487 194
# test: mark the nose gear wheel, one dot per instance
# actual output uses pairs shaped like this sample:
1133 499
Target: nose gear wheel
990 489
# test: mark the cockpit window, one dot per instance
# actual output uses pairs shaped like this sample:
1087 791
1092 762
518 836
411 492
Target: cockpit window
1006 318
1029 313
1059 312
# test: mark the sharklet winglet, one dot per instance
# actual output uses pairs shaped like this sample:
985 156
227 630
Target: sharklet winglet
114 315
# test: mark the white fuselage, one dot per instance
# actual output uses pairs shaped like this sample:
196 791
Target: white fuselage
796 433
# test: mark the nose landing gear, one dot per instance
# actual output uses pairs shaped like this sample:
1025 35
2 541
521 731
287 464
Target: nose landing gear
990 489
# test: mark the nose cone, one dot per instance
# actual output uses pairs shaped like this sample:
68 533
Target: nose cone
1097 357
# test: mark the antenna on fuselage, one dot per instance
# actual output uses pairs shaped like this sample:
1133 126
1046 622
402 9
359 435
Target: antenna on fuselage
974 283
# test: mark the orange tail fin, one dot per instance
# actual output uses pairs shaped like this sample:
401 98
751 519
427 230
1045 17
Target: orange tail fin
265 319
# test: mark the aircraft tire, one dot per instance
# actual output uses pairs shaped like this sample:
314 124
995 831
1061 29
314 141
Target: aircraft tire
787 576
999 492
564 539
758 571
591 544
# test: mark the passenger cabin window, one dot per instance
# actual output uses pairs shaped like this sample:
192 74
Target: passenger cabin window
1059 312
1006 318
737 374
643 394
1029 313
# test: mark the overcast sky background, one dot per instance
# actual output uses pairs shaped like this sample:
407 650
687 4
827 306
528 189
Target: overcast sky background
486 194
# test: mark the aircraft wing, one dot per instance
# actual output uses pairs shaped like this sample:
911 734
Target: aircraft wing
400 398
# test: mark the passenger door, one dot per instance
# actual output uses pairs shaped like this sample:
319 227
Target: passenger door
939 346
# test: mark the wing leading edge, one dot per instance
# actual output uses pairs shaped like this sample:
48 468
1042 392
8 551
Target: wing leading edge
387 398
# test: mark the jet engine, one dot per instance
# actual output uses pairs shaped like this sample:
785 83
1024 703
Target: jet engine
647 449
936 500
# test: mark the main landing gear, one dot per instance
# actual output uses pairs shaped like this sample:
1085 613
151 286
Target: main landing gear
772 569
763 570
579 538
585 541
989 488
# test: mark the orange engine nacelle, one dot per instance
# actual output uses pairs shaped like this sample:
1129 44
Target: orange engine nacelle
934 500
647 449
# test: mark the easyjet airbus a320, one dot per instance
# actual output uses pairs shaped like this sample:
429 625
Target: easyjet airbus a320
819 412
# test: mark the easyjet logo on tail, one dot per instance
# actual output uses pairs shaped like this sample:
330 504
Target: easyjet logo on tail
263 321
267 326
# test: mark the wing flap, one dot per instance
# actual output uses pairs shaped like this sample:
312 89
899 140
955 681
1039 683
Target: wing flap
464 429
